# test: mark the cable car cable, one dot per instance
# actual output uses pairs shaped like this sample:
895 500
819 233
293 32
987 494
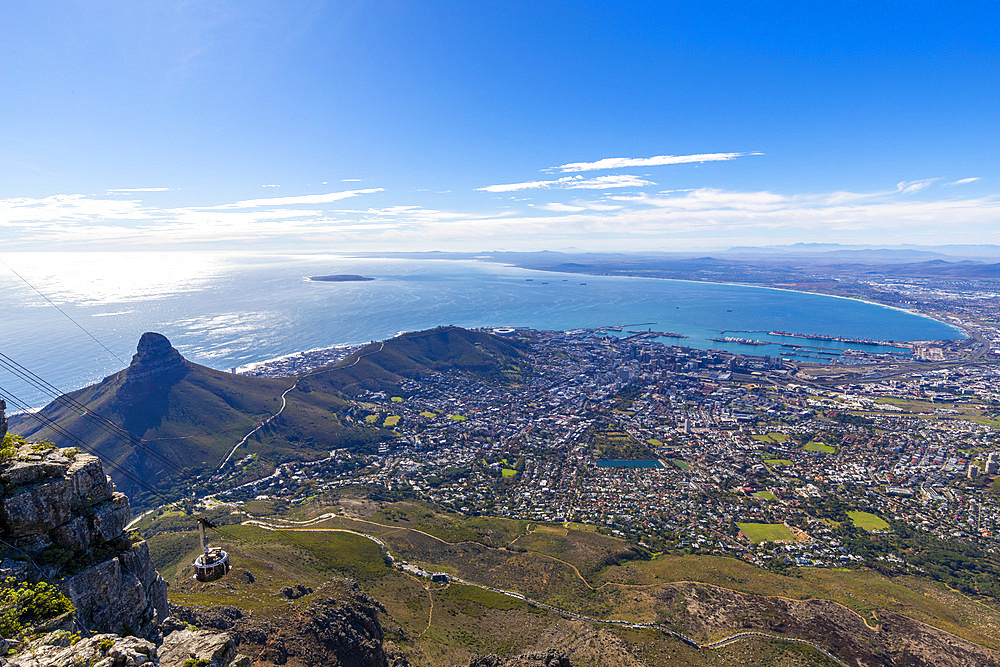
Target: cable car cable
64 313
39 383
17 402
62 430
90 335
58 428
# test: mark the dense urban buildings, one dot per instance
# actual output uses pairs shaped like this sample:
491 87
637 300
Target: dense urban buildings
775 461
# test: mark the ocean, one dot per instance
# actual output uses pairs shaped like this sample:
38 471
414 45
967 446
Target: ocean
226 310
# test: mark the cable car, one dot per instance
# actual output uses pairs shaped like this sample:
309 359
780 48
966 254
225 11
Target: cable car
214 563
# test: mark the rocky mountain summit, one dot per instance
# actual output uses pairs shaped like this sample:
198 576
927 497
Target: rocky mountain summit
195 415
155 365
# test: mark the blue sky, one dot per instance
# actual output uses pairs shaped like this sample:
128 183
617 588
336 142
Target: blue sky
479 126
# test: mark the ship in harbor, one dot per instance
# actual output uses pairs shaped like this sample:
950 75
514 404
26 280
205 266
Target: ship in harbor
741 341
839 339
664 334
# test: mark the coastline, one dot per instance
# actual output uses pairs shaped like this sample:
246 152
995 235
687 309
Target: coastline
763 287
266 366
199 316
286 365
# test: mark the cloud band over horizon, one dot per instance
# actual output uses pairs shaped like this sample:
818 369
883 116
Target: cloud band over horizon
655 161
635 218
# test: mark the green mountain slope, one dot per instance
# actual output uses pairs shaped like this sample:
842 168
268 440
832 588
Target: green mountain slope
189 417
380 366
861 616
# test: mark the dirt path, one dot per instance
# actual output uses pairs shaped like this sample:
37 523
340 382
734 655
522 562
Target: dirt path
628 624
284 404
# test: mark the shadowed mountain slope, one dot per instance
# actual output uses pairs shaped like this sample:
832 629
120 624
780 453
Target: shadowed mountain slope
189 417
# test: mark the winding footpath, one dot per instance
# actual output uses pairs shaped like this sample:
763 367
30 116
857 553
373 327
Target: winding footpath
284 404
306 526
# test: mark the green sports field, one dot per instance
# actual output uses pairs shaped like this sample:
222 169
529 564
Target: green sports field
867 521
766 532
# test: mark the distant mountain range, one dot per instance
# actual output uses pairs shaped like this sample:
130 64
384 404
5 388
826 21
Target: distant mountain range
762 265
189 417
957 251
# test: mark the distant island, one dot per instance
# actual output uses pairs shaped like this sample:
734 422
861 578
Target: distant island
340 278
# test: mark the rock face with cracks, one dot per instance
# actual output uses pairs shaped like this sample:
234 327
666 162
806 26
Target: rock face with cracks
177 648
155 364
61 520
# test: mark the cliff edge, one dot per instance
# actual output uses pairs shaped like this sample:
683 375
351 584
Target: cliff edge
62 520
74 588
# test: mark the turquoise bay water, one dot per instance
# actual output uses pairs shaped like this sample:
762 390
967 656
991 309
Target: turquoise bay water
225 310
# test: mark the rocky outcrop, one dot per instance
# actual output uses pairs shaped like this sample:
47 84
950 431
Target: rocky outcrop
218 649
551 658
180 647
61 519
156 364
3 419
106 650
295 593
340 628
704 612
122 594
154 356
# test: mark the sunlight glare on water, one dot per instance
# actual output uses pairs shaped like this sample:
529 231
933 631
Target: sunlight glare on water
96 278
228 309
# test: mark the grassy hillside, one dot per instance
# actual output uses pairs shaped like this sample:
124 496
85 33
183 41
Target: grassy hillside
380 366
192 422
574 568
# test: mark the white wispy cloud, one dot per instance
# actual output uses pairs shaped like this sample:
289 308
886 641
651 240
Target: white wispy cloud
589 219
609 203
909 187
573 183
556 207
308 200
707 215
963 181
67 210
123 190
270 185
349 180
655 161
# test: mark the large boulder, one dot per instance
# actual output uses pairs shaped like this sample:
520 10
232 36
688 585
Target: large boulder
217 648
